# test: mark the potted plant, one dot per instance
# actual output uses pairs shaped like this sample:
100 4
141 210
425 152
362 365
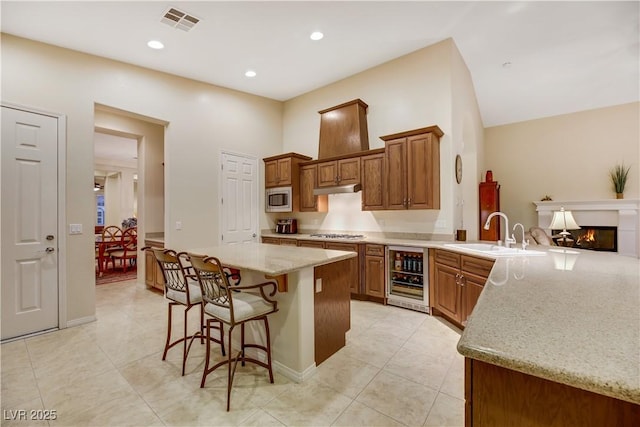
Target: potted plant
619 175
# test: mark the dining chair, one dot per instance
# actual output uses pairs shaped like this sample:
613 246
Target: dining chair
127 253
110 239
233 306
181 288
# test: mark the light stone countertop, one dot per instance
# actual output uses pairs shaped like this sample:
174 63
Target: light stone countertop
272 259
572 316
579 327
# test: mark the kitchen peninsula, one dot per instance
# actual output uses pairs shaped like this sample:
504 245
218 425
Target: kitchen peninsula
555 340
313 299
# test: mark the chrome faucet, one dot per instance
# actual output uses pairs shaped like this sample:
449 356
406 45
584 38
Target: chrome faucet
525 243
507 240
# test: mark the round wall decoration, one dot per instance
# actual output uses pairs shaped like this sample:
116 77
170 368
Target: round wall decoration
458 169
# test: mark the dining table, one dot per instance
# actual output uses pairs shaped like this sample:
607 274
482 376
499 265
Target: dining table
102 246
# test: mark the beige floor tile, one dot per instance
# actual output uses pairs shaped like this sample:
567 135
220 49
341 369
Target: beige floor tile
447 411
18 386
110 373
402 400
421 367
453 383
346 375
310 403
261 419
358 414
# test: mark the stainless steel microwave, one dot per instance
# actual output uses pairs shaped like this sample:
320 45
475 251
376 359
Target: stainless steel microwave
278 199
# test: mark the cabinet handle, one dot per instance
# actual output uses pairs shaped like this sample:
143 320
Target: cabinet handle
409 202
463 280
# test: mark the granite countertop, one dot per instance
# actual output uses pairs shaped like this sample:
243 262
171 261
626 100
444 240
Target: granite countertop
572 317
272 259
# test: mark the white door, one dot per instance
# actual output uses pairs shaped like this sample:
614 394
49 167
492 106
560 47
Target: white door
29 222
239 199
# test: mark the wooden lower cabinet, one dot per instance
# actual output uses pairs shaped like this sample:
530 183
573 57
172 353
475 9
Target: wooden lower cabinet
458 282
374 271
271 240
354 265
311 244
497 396
152 273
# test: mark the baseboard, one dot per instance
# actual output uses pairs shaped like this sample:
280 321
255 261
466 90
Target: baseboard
295 376
80 321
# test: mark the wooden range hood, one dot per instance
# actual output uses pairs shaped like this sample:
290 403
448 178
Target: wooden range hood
343 129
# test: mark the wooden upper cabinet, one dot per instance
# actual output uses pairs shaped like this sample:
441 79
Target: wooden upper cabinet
339 172
308 181
277 173
373 182
412 165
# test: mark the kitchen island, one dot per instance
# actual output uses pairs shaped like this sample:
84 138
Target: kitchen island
313 300
555 340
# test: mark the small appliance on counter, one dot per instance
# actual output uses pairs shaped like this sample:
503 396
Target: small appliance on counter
287 226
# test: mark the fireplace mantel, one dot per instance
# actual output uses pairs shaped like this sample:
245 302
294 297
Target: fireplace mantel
621 213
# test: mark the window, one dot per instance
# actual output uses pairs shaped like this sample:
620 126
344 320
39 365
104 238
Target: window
99 209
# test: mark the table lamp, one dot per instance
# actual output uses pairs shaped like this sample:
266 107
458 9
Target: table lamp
563 220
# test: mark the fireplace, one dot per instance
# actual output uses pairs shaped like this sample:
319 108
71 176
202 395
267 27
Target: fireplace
594 237
621 214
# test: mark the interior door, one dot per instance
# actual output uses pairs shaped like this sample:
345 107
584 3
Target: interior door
29 222
239 199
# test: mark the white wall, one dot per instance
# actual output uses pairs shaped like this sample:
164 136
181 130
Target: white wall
410 92
567 157
202 119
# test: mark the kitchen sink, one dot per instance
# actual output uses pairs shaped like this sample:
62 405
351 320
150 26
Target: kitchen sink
494 250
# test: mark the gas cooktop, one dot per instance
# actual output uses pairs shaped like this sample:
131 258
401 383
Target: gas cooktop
338 236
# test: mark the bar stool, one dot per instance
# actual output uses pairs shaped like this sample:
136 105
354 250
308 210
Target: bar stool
233 306
181 288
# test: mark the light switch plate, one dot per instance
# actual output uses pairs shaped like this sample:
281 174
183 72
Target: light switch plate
75 228
178 225
318 285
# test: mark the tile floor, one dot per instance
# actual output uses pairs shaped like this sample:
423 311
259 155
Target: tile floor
399 368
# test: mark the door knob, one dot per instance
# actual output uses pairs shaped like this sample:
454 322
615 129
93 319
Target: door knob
254 234
49 250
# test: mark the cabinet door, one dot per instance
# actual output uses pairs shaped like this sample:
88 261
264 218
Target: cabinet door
423 171
271 174
447 291
308 202
158 278
327 174
284 171
472 288
149 268
349 171
354 285
373 182
395 167
374 276
288 242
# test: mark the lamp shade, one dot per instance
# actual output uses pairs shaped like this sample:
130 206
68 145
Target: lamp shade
563 220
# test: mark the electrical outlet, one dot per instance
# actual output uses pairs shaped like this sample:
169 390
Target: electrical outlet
75 228
178 225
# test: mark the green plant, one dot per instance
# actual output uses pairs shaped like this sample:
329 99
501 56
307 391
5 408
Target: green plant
619 175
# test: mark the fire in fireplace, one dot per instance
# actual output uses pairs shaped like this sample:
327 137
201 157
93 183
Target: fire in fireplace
595 238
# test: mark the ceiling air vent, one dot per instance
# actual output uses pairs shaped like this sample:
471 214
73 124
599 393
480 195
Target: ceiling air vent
179 19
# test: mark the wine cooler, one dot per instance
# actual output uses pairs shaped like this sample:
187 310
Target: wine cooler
407 278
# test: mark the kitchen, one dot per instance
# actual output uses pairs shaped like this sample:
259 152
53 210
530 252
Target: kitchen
396 106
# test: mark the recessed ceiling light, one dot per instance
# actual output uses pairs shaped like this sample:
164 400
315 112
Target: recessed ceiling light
506 64
250 73
155 44
316 35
